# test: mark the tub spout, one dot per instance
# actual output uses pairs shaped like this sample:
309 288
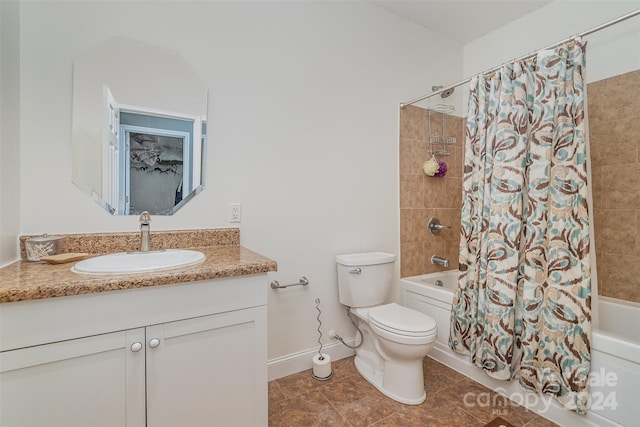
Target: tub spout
440 261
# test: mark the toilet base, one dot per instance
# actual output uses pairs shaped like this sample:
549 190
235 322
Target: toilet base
372 369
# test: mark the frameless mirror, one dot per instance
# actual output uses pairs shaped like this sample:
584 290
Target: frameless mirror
138 128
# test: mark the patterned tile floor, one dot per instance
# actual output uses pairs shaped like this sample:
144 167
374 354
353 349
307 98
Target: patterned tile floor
347 400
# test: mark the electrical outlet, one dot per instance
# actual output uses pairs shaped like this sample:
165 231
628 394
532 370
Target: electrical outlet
235 212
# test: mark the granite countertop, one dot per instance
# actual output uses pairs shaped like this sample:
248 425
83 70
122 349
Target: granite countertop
26 280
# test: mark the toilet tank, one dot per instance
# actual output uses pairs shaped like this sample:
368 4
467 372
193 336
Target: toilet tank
364 279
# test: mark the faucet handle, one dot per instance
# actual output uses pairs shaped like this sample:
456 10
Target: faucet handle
435 226
145 217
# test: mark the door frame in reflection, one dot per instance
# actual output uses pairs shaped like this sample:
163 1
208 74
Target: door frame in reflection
116 165
125 205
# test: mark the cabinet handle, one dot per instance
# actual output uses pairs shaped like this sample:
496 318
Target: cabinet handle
153 343
136 347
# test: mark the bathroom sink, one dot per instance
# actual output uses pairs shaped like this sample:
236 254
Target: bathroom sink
138 262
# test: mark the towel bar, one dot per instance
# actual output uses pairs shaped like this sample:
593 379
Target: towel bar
303 282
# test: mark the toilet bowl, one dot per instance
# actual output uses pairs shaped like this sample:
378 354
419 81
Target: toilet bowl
393 348
395 339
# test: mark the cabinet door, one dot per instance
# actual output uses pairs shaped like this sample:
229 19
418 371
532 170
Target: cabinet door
208 371
81 382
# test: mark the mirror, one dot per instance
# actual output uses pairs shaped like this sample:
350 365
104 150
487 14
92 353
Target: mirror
138 128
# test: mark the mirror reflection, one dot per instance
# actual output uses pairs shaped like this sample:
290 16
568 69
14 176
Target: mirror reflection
139 128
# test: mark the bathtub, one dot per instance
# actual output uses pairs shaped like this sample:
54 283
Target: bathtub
615 356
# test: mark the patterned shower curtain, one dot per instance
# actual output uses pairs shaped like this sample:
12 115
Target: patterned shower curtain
522 308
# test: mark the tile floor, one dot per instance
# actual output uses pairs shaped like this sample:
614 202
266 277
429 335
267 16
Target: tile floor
347 400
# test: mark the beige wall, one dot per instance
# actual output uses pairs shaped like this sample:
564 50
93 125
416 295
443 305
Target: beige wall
614 127
423 197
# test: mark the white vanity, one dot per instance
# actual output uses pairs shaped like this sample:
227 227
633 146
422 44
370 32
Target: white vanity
185 354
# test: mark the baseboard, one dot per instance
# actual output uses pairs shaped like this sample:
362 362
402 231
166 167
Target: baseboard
301 361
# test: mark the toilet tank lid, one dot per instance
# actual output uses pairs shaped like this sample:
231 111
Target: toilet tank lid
367 258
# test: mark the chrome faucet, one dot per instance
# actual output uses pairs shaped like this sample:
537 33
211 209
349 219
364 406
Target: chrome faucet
145 232
440 261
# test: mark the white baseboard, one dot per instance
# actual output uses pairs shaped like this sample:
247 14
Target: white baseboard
301 361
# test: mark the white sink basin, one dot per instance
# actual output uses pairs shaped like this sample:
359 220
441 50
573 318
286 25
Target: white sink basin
138 262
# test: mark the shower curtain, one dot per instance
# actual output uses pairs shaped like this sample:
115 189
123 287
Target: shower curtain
522 308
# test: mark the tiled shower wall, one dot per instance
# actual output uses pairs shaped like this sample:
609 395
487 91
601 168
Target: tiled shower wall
614 128
423 197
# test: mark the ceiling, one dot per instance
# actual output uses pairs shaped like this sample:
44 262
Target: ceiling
458 19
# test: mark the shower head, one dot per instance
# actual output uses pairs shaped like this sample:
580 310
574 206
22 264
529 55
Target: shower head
447 93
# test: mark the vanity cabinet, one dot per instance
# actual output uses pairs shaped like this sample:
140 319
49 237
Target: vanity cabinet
82 382
177 355
204 372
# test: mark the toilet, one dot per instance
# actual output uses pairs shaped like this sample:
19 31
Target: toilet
395 339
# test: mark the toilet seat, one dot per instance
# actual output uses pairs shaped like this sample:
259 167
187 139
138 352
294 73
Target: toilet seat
399 320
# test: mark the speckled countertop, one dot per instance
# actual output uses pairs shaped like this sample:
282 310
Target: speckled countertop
25 280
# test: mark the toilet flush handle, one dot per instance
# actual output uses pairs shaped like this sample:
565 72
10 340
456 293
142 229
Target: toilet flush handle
356 271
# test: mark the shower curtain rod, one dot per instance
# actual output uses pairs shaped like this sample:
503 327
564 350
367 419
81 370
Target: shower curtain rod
529 55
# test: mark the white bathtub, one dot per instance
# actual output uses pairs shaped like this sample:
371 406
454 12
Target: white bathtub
615 356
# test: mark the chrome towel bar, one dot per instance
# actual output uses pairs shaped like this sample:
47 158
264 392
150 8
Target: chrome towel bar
303 282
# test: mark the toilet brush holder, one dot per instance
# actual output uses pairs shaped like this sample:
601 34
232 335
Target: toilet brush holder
322 367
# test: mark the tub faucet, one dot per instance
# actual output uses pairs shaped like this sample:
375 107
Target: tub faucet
145 232
440 261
